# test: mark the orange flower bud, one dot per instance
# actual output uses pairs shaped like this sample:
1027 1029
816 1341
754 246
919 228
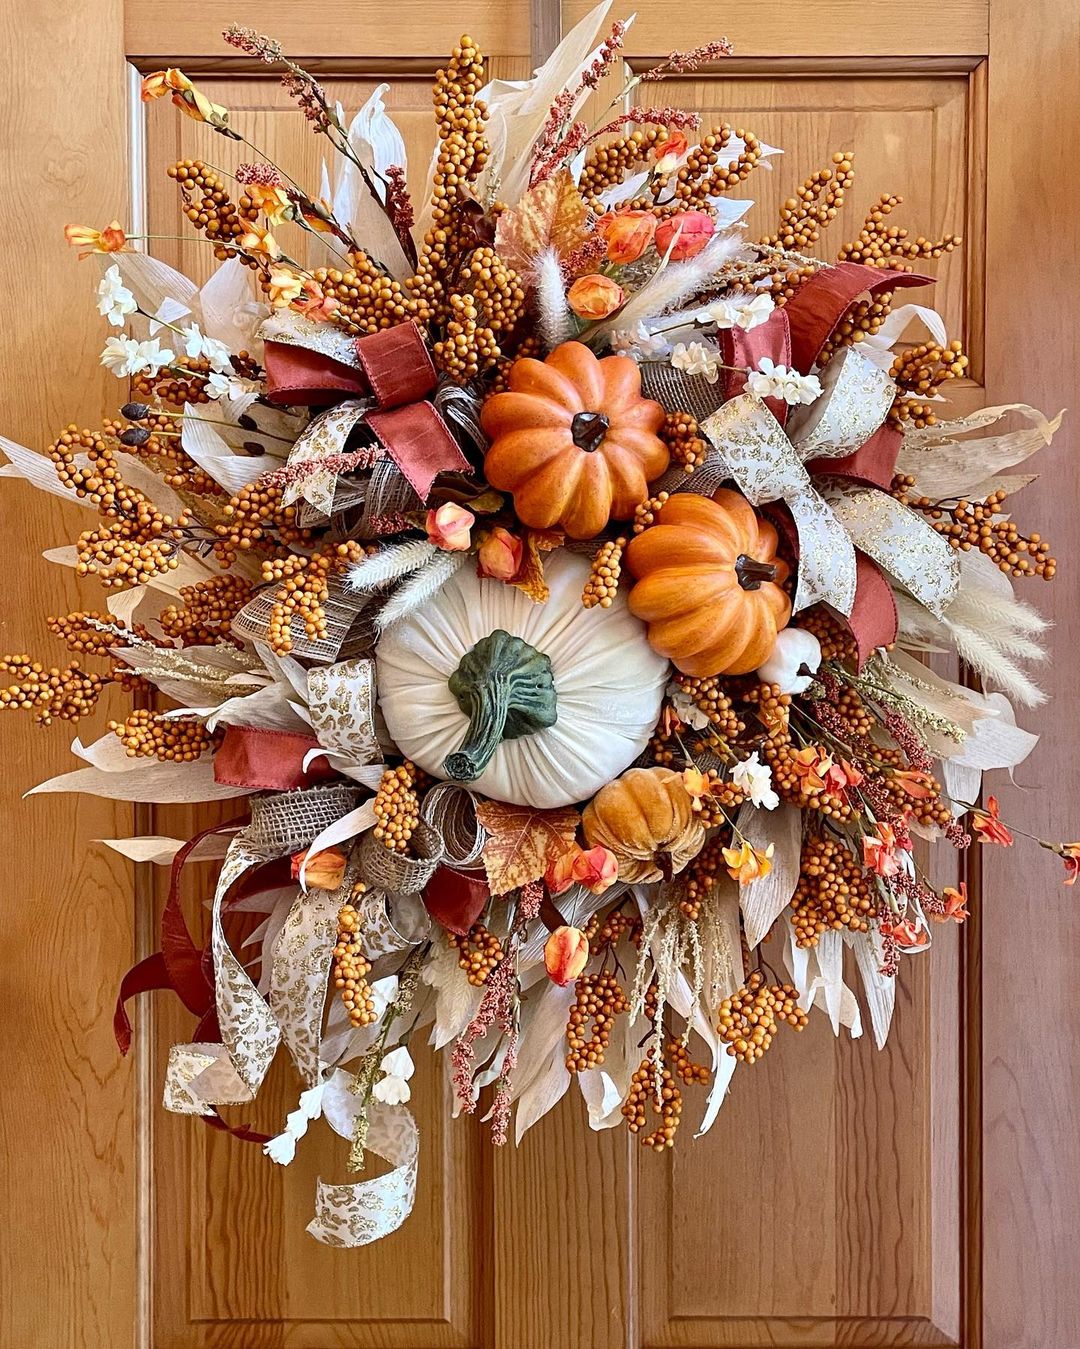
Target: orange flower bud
566 953
594 297
596 869
670 152
449 526
685 233
559 876
111 239
325 871
500 554
628 234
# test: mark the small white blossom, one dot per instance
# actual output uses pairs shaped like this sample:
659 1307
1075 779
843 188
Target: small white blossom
197 345
393 1088
121 355
697 359
742 311
688 711
755 778
638 342
124 356
223 385
777 381
115 301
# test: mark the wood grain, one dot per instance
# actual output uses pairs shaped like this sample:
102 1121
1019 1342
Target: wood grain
811 28
843 1194
67 1180
1031 926
326 28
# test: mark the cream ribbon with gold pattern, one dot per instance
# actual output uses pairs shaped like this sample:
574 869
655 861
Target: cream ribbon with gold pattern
769 464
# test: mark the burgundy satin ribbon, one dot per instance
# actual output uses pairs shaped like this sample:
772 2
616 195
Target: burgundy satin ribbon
270 761
397 371
455 900
794 335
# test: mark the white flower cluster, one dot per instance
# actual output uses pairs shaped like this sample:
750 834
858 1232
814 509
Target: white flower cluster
777 381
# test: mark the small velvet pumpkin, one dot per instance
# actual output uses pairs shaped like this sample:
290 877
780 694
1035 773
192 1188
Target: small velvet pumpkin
646 819
573 440
708 584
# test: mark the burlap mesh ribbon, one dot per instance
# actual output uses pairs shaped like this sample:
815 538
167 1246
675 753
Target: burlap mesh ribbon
401 873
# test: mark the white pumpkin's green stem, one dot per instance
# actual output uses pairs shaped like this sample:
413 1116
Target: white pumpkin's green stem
506 689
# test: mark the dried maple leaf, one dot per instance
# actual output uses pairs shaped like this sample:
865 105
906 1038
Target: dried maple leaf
522 842
553 214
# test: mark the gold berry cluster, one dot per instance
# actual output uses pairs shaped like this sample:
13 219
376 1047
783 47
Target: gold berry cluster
351 967
469 345
804 216
208 609
598 1000
646 512
602 585
185 381
303 587
148 735
702 875
883 245
708 171
833 891
479 953
686 447
663 1099
917 373
749 1019
367 298
397 807
66 694
254 516
208 206
608 163
463 152
980 524
834 636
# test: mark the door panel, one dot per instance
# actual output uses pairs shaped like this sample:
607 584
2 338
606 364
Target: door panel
839 1199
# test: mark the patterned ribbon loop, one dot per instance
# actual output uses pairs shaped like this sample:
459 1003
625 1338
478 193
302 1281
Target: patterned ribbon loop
768 461
393 367
905 546
767 467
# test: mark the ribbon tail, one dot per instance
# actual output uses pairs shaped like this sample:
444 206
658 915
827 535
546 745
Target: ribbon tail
826 555
873 618
901 543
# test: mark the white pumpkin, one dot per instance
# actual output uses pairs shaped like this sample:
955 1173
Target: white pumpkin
609 684
793 661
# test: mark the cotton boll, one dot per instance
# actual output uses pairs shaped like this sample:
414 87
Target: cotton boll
794 661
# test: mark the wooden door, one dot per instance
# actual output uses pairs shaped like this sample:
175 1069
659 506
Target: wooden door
925 1195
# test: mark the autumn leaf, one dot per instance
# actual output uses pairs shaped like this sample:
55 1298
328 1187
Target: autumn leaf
523 842
530 575
553 214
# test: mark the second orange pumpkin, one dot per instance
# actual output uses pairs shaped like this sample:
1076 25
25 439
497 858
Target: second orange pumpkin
573 440
708 584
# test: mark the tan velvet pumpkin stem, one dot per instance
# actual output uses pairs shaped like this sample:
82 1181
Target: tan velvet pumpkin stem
506 689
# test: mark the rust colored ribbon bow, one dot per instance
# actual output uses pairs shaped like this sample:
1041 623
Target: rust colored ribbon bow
395 369
795 335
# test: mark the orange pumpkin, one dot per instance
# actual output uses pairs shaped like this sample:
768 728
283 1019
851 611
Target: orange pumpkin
573 440
708 584
647 819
